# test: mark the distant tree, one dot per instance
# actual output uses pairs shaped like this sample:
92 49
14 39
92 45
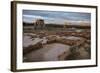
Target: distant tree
65 25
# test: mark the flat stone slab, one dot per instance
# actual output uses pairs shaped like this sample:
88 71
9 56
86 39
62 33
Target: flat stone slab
50 52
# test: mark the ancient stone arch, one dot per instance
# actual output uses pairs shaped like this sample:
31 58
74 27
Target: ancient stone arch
39 24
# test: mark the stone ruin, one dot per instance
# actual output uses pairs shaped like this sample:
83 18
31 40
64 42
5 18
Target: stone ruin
39 24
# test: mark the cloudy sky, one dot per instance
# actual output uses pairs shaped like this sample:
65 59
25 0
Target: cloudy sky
58 17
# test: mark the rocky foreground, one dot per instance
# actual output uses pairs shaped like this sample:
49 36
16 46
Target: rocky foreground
54 46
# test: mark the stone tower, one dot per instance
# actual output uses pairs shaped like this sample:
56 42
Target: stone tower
39 24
